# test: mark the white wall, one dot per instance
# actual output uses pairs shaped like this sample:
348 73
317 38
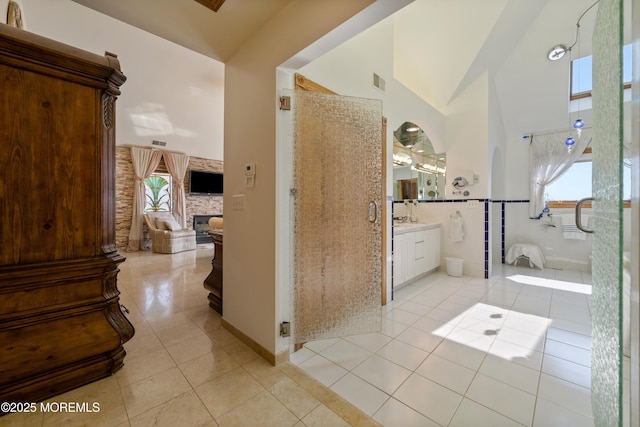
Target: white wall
348 70
253 286
468 138
171 94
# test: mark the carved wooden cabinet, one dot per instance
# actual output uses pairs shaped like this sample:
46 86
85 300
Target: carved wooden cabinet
61 324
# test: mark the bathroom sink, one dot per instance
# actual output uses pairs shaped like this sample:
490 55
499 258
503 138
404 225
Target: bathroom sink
411 226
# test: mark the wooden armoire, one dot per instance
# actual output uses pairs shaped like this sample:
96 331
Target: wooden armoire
61 322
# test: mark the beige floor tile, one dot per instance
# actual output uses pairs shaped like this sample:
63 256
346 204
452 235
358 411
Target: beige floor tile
143 395
222 336
101 405
264 372
21 419
176 334
184 410
139 368
141 326
188 301
172 320
141 345
294 397
208 367
191 348
323 416
241 353
262 410
228 391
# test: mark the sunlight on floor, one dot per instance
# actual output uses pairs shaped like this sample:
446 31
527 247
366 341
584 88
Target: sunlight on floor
490 325
550 283
536 326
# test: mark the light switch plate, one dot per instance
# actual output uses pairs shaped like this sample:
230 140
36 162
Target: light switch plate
237 202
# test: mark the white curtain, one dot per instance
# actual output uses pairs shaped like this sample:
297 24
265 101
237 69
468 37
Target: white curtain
549 158
144 161
177 165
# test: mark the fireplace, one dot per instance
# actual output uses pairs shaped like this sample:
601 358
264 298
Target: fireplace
201 225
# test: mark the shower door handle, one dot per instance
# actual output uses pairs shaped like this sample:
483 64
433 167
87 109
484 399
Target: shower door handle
579 215
373 212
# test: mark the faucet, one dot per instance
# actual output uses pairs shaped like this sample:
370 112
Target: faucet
411 203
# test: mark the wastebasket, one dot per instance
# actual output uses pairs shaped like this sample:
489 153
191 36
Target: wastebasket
454 266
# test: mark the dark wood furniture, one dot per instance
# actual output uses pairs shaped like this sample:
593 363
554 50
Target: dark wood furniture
213 282
61 323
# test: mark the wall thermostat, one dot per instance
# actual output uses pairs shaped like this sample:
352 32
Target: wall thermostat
249 174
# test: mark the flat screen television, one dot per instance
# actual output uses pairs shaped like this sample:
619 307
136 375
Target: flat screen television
205 183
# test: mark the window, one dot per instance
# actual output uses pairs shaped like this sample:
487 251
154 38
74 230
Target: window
158 193
581 83
575 184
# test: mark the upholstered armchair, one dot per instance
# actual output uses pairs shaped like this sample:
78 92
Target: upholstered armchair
167 236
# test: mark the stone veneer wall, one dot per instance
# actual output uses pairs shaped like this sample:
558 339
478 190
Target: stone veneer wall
195 205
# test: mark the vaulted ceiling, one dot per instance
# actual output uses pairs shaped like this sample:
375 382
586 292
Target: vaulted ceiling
444 45
193 25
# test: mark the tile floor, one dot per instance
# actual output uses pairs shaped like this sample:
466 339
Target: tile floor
183 369
510 351
514 350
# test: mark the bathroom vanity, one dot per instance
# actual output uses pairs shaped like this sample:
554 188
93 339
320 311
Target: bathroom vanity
416 251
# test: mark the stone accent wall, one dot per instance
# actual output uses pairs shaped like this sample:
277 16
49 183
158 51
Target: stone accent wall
195 205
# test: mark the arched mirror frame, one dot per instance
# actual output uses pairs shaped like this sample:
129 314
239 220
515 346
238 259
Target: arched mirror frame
418 171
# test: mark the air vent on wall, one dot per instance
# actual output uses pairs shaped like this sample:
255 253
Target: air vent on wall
159 143
378 82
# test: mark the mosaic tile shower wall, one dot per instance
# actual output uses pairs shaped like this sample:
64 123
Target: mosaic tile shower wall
606 365
337 152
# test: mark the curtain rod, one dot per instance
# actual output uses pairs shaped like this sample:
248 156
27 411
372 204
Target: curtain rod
549 132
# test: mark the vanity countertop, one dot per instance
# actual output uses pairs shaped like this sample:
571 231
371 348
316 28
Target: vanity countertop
410 227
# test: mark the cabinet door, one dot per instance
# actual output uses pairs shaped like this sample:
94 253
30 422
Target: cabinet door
437 239
421 261
409 256
398 259
432 249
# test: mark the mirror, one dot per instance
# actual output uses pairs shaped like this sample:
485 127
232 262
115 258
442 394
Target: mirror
418 171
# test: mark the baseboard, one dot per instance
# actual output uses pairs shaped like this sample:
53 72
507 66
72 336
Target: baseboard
274 359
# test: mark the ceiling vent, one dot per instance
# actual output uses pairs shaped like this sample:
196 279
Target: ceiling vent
378 82
159 143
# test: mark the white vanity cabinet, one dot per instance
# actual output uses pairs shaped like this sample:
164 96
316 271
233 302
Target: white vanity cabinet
416 251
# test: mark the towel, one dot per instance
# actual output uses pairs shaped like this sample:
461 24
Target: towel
456 233
569 228
530 251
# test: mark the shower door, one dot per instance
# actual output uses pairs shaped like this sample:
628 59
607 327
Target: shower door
607 300
335 202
